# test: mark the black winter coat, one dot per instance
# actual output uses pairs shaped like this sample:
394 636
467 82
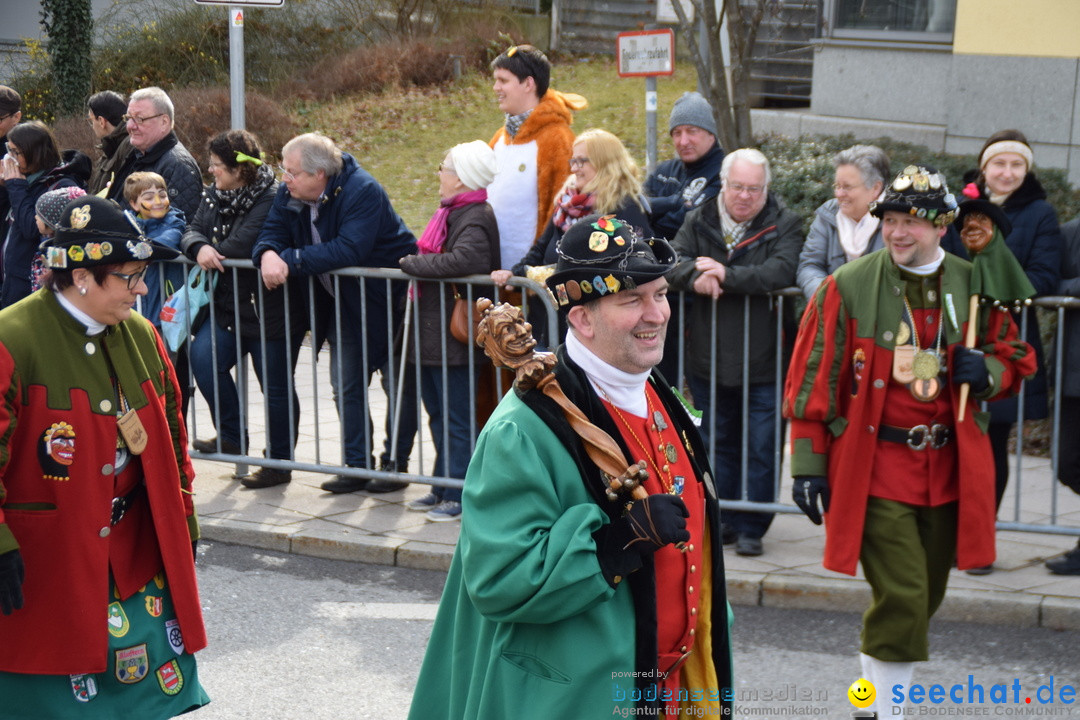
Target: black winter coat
238 244
764 261
23 237
172 161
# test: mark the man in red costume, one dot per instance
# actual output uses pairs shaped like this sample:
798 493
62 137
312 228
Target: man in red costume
873 396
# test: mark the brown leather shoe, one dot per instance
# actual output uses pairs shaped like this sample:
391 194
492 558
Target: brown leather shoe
267 477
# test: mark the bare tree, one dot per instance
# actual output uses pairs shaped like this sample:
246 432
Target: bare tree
744 18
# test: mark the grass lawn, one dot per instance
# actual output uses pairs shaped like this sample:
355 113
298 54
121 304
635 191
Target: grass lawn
400 137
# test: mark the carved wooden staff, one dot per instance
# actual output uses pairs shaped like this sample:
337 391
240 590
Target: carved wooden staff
507 339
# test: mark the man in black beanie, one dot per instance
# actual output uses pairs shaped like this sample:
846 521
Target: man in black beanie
681 184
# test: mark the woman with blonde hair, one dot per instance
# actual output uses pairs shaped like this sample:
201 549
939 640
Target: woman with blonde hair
603 180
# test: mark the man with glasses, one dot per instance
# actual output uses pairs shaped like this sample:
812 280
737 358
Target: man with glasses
329 214
10 115
149 122
733 252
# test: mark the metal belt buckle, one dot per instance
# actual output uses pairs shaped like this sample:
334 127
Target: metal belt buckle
939 436
923 434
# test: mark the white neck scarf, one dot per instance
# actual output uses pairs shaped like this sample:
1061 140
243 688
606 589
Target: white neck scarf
93 327
624 390
855 236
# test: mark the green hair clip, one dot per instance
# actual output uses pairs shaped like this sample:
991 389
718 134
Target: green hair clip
241 157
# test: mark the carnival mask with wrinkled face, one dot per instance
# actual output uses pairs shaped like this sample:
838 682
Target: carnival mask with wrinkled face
977 231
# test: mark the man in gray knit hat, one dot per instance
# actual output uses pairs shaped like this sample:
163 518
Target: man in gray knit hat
681 184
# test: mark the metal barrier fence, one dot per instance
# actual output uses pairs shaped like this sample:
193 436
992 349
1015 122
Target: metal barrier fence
397 394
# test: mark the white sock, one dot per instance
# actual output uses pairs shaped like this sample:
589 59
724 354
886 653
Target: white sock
884 675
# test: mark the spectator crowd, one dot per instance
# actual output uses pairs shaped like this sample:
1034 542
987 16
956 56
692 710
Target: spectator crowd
874 378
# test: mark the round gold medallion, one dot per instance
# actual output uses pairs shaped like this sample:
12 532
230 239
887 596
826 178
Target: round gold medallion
926 365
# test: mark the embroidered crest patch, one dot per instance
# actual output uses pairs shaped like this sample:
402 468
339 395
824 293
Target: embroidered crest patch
132 664
83 687
118 621
174 636
170 678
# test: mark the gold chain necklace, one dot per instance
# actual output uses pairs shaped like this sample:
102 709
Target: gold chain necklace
926 364
664 477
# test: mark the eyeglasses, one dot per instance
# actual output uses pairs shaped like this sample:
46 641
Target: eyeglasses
576 162
132 279
444 169
751 190
840 187
140 121
5 117
289 174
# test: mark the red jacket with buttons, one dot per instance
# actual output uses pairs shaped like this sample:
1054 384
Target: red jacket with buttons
838 383
58 437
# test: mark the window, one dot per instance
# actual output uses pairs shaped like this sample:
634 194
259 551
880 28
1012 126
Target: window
912 20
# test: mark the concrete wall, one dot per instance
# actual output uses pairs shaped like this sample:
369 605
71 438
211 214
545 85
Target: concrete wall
945 100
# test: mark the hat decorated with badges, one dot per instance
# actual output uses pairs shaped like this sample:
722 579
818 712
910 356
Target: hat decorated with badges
601 255
918 190
95 231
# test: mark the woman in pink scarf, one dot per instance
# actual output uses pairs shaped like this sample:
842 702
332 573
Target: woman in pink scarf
461 239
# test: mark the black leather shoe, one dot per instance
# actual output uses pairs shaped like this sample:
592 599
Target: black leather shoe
378 486
344 484
210 446
748 546
267 477
984 570
1067 564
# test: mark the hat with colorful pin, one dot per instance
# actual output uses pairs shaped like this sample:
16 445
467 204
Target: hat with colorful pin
921 191
602 255
95 231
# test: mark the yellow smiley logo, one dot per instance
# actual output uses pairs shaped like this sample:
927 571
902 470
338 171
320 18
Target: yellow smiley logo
861 693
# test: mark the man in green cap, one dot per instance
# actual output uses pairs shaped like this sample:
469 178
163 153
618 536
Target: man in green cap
877 442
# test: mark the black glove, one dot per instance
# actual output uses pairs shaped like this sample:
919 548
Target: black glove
807 491
12 574
647 526
969 366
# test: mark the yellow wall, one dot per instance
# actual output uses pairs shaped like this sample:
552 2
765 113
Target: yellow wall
1037 28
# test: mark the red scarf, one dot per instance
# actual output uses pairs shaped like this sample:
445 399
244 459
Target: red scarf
431 242
571 207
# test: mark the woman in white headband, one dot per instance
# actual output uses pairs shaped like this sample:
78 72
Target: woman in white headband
1005 178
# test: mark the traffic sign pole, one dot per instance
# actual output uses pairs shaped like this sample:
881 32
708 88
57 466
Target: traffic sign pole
646 54
236 67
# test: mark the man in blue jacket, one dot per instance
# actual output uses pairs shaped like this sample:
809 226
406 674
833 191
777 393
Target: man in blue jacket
681 184
330 214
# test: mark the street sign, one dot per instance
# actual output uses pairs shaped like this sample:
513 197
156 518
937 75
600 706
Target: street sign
243 3
645 53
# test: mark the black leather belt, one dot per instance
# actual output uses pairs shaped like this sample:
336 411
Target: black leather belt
120 505
919 437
